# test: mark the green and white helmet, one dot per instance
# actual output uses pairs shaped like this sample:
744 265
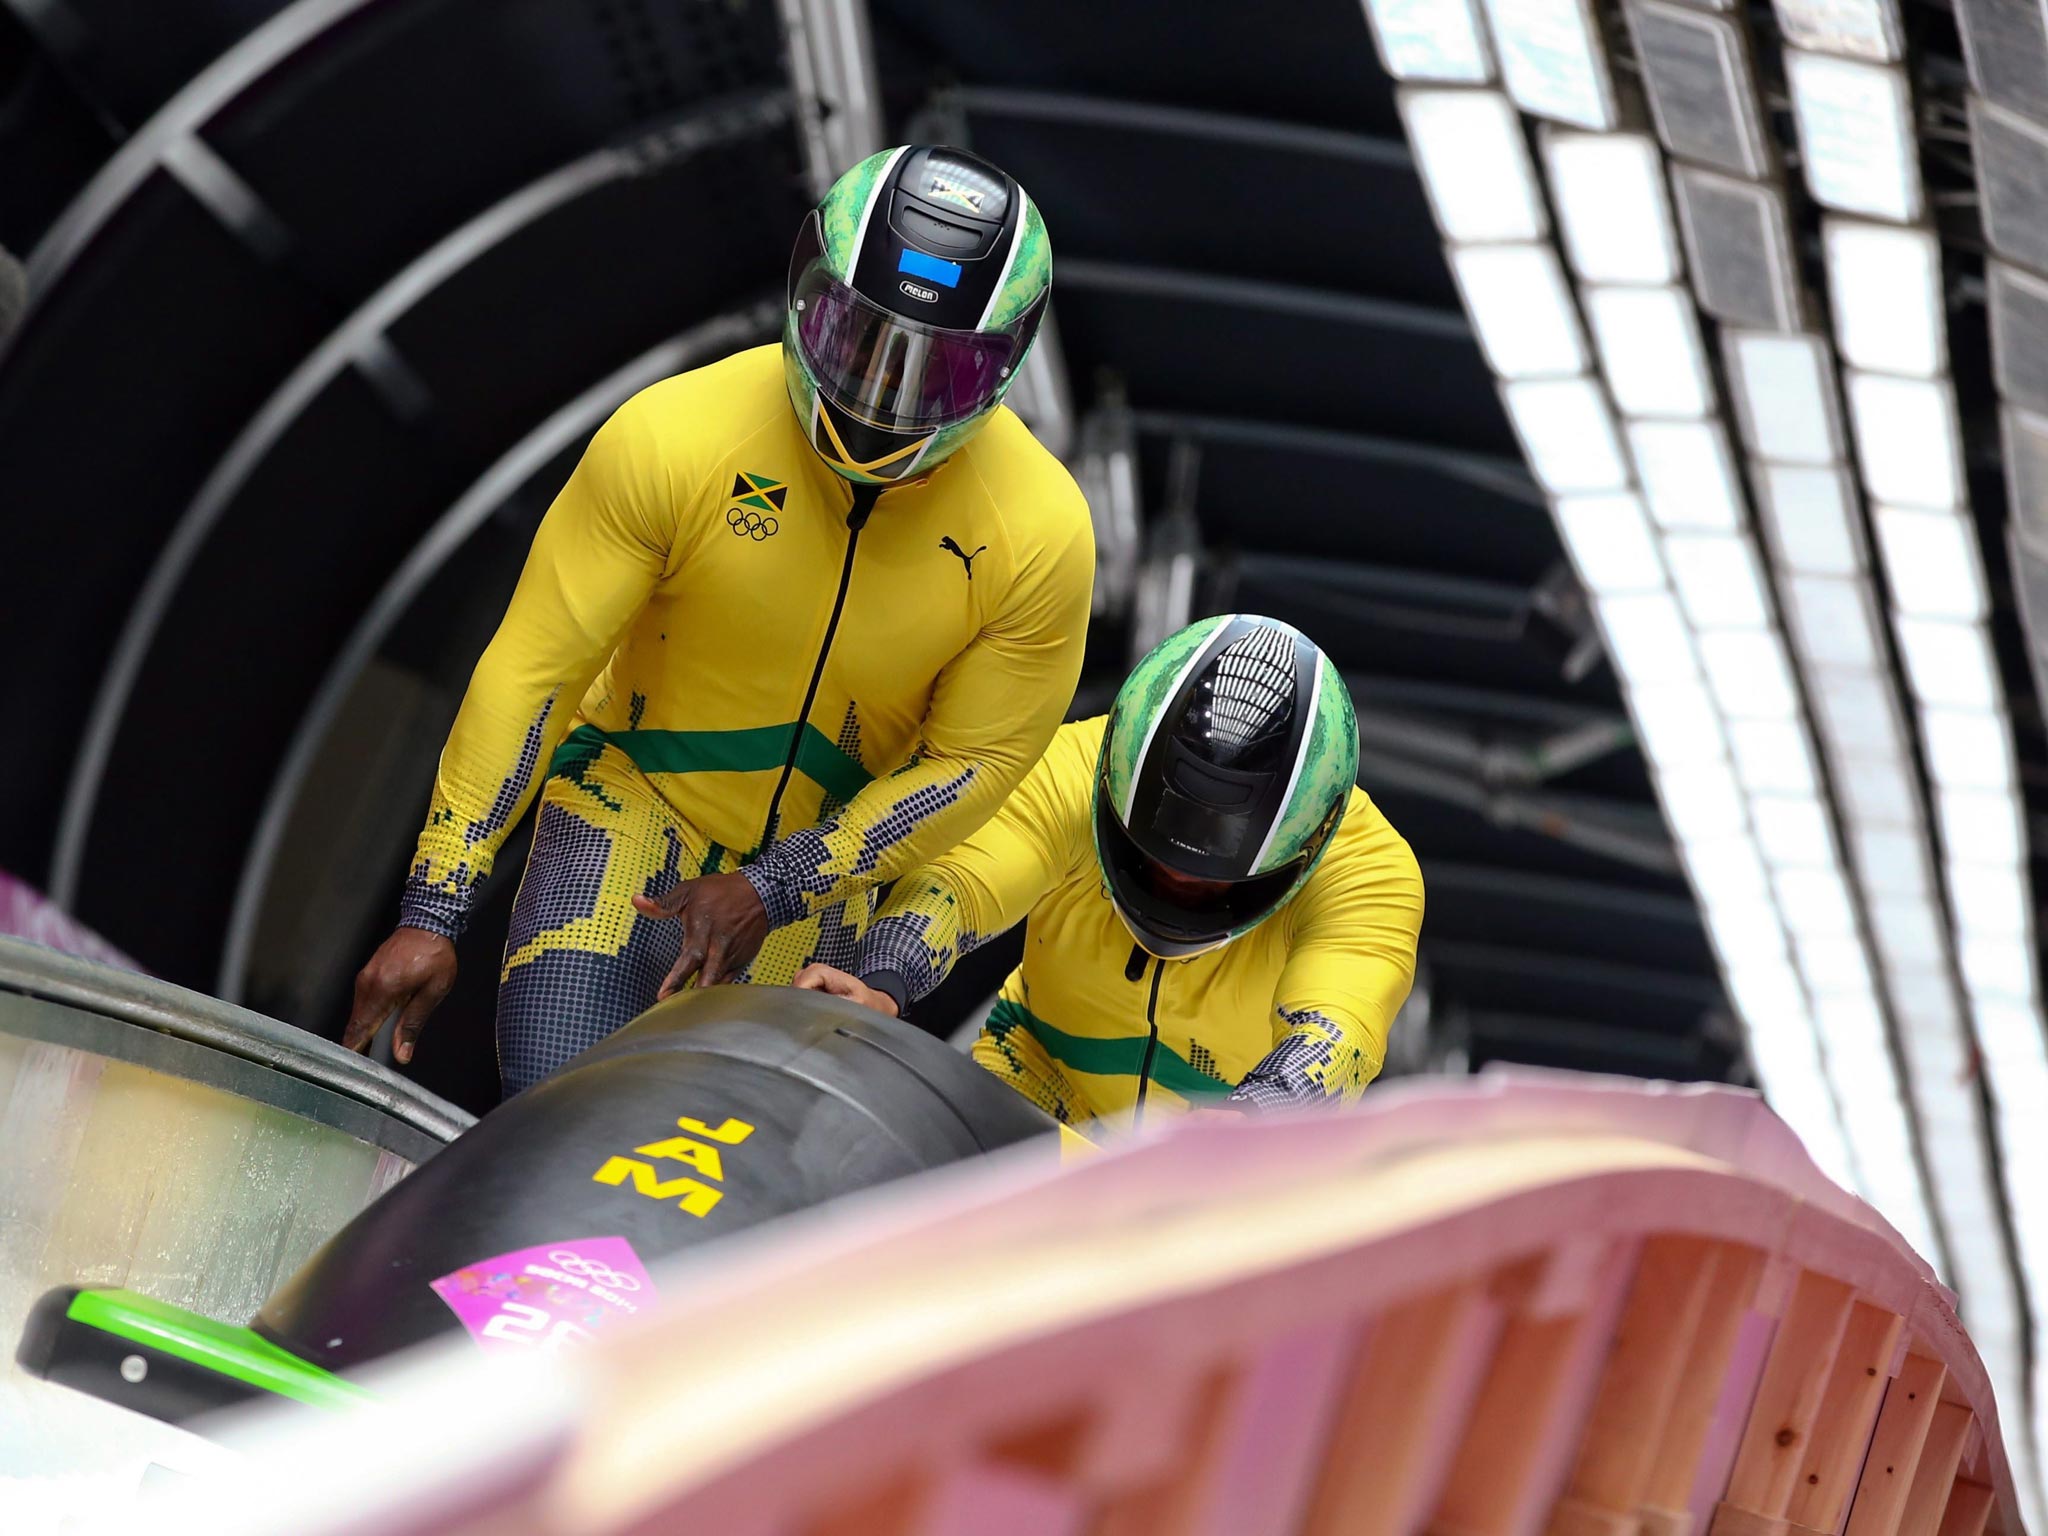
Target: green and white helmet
1230 755
915 290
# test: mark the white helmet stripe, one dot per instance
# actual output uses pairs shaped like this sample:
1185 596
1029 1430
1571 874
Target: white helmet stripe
1009 261
860 233
1308 733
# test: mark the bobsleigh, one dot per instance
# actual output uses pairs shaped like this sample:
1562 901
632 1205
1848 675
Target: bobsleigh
713 1112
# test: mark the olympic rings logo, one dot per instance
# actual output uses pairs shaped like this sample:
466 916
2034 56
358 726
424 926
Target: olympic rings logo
750 524
570 1262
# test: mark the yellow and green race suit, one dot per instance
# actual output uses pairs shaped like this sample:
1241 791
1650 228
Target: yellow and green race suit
1295 1011
704 666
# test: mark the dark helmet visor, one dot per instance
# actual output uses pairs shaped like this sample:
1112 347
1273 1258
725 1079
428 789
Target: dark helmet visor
885 369
1169 918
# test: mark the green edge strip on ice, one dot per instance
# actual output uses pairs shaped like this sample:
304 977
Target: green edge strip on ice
237 1352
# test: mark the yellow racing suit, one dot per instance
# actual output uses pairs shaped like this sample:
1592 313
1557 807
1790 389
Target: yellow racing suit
1090 1027
705 667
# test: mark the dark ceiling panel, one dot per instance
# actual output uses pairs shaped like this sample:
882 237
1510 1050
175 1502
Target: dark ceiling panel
1500 906
1311 61
53 138
129 56
1413 639
301 553
1364 500
1185 343
1239 196
1606 991
1440 831
113 405
417 115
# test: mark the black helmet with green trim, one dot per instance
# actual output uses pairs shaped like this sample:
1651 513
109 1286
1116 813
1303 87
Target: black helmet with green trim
1229 757
915 290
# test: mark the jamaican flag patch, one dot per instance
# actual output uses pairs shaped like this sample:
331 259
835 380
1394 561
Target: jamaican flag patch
764 493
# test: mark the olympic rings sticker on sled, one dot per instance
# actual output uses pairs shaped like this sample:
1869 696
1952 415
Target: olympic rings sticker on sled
550 1295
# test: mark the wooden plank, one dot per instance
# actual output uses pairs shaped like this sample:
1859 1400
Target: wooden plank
994 1500
1515 1453
1644 1370
1487 1472
1652 1521
1416 1376
1895 1448
1142 1419
1732 1520
1269 1454
1969 1506
1675 1461
1172 1504
1848 1412
1788 1399
1939 1459
1572 1517
1051 1447
892 1507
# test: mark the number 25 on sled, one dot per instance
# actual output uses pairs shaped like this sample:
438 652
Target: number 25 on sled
698 1149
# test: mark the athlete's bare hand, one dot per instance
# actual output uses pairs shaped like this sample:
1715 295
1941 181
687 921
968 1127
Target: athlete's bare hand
723 926
828 978
410 974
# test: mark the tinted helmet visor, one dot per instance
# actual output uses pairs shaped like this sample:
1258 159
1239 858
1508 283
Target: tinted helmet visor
1172 918
884 369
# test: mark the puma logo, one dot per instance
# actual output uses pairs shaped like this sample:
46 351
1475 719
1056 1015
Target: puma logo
966 559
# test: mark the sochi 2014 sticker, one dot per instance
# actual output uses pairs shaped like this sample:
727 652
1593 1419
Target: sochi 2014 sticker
548 1295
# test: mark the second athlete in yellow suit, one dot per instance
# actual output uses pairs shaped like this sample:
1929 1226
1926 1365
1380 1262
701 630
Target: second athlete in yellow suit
741 687
1214 912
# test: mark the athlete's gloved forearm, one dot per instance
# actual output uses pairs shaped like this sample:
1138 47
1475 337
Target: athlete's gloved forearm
913 944
1297 1071
884 830
1347 974
989 882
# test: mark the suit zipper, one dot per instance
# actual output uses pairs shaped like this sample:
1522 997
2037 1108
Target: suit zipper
1151 1042
864 498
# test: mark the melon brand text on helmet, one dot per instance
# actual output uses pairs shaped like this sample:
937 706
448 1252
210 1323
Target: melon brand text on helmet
1226 765
915 290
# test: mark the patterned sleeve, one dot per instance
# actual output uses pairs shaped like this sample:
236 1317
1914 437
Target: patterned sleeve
595 559
993 709
990 882
1348 971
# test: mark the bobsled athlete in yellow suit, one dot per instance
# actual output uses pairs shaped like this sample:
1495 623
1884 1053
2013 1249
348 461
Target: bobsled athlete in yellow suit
747 691
1215 914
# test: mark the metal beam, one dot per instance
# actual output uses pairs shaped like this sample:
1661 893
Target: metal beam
1698 991
832 73
1481 759
226 78
1662 1051
1589 896
1117 115
1593 826
1181 286
1505 477
1428 696
363 333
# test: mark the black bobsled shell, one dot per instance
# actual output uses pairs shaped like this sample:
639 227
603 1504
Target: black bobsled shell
838 1098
